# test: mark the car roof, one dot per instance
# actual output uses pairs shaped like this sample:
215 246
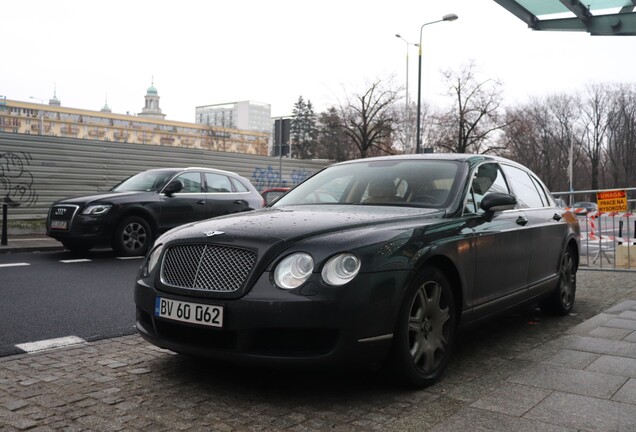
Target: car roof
178 169
470 159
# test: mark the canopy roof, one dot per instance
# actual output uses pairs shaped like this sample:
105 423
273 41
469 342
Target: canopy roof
597 17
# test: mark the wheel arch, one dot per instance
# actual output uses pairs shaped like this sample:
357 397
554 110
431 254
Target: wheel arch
142 213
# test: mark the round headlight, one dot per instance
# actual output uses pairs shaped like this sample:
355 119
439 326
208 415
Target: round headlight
153 259
341 269
294 270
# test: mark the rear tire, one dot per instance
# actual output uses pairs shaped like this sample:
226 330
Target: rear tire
561 300
133 237
425 331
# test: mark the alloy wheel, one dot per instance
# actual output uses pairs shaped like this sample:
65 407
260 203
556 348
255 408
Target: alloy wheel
428 332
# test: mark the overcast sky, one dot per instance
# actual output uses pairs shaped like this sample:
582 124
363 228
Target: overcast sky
210 52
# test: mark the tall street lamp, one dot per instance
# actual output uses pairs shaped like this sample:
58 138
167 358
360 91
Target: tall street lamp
408 111
448 17
41 114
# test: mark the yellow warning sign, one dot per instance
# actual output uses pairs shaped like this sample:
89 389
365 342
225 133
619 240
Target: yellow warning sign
612 201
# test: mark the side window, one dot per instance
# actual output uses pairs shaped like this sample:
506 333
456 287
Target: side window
191 182
486 180
218 183
545 196
238 186
524 189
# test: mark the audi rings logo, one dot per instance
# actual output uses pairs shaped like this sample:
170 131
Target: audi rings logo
60 211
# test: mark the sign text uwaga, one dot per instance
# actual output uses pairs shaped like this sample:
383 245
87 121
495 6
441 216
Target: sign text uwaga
612 201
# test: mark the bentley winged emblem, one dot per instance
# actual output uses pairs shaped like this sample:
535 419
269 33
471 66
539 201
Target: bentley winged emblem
213 233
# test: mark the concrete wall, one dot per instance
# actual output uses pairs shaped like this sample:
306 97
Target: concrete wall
37 170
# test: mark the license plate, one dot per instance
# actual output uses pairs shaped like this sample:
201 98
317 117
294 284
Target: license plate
194 313
59 224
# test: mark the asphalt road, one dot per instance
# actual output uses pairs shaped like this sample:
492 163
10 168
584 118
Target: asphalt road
52 295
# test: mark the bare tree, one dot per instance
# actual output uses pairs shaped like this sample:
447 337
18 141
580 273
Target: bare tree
471 125
369 119
534 139
621 147
594 111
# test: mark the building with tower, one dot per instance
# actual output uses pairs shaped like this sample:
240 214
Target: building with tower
151 108
148 127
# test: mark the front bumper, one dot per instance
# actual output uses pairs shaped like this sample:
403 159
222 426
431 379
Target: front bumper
93 230
315 324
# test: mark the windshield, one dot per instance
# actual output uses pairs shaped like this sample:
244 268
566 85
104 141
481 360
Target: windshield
146 181
412 183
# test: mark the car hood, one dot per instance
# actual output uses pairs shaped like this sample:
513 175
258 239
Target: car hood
110 196
293 223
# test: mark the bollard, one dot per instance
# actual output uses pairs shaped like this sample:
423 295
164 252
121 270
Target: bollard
4 224
6 202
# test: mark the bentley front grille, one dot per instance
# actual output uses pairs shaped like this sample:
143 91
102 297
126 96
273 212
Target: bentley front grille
206 267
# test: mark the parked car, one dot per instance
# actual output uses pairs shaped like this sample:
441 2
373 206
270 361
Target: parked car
585 207
411 249
132 214
560 202
272 194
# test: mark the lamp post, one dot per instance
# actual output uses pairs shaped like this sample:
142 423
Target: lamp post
408 111
448 17
41 114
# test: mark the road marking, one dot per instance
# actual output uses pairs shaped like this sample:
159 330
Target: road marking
42 345
75 261
14 265
130 258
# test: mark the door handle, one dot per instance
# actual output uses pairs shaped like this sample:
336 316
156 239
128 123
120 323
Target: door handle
201 202
239 202
521 221
556 217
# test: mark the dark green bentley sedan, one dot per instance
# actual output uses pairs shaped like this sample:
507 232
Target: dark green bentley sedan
375 261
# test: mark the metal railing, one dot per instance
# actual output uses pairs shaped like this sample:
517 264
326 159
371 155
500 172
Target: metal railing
608 238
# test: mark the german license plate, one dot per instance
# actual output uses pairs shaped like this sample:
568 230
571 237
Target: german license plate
59 224
194 313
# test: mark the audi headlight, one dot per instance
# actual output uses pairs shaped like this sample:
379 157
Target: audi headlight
96 210
153 259
294 270
341 269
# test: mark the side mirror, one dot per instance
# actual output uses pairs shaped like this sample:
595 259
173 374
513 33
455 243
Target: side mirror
498 202
173 187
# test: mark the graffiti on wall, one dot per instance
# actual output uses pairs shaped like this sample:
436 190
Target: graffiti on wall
16 180
265 178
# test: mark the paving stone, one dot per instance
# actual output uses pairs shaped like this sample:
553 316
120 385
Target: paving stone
630 337
512 399
621 307
576 381
585 413
623 366
610 332
475 420
630 314
627 393
572 359
621 323
601 346
587 326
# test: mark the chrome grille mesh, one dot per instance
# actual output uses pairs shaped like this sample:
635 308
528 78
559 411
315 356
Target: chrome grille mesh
207 267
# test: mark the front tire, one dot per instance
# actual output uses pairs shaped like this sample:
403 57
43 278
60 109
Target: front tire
561 300
425 332
132 237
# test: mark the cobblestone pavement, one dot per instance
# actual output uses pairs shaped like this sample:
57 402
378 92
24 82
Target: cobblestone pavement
523 372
